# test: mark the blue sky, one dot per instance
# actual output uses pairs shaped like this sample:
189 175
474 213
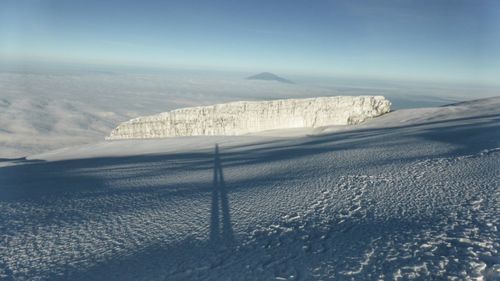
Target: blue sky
430 40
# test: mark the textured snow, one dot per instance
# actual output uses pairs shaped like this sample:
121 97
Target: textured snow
416 198
243 117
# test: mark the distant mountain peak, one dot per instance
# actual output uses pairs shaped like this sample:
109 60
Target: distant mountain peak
268 76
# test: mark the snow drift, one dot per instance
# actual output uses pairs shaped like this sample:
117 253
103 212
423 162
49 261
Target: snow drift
238 118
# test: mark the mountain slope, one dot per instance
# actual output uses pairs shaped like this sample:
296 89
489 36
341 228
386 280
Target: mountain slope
415 199
267 76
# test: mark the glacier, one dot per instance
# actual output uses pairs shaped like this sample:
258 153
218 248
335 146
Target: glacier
243 117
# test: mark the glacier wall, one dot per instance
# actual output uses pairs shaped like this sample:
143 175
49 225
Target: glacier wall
242 117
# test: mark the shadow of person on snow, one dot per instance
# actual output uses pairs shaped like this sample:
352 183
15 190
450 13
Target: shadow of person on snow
221 231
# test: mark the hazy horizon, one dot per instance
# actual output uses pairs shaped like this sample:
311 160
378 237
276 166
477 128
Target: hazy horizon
435 41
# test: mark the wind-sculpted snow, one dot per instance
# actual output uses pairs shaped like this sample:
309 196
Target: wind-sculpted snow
238 118
416 201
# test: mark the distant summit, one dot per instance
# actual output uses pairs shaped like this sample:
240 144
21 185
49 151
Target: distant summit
267 76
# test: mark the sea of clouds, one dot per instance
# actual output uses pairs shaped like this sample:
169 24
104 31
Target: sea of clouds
42 109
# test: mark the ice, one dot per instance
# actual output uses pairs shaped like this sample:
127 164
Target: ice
243 117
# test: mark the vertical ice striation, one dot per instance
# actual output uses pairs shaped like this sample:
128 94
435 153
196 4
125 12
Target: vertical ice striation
242 117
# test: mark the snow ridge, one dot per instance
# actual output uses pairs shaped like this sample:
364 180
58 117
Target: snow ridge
243 117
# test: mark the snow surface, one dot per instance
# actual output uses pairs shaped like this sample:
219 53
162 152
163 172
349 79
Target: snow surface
412 195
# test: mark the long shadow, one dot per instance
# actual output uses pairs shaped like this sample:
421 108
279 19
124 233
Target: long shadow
465 135
221 230
40 178
40 183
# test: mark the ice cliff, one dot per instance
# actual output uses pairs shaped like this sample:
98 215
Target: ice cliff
242 117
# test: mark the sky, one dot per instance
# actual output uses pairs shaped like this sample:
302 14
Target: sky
419 40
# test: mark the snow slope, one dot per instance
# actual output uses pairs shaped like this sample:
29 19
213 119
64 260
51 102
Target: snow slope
412 195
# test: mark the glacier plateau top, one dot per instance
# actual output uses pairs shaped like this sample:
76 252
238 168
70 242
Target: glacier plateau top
243 117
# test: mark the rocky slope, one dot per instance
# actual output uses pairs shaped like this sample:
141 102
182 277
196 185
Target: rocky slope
244 117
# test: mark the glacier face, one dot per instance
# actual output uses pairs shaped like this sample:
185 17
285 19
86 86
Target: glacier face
242 117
